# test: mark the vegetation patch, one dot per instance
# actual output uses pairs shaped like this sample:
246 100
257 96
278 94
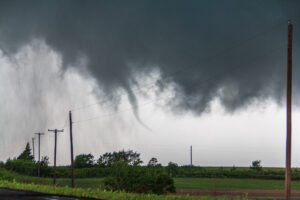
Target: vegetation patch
97 193
139 179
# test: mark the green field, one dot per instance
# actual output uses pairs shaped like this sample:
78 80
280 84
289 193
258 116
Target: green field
232 184
101 194
180 183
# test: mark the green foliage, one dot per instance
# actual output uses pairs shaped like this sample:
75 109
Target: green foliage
98 193
29 167
26 154
86 169
172 169
256 165
45 161
129 157
233 168
153 163
139 179
187 183
21 166
45 170
2 164
6 175
91 172
84 161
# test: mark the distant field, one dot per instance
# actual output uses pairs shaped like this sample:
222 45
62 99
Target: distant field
181 183
232 184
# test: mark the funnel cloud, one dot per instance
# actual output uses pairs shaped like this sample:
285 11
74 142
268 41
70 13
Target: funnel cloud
233 51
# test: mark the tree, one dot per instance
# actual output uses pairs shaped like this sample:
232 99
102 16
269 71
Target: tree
2 164
45 170
84 161
256 165
26 154
153 162
129 157
45 161
172 169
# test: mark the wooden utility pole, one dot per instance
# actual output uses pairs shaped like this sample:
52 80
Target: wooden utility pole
289 114
55 144
191 152
71 142
39 165
33 147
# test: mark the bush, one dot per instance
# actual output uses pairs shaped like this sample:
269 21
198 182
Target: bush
256 165
172 169
45 170
84 161
27 167
2 165
6 175
139 179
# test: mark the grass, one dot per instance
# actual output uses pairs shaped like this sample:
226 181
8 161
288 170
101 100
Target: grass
232 184
97 193
90 187
180 183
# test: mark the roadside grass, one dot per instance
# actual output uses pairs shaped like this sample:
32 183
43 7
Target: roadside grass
80 182
99 194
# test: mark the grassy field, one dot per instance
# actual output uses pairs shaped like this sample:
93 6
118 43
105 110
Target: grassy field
232 184
180 183
99 194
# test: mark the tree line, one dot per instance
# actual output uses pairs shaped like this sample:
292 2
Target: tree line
128 164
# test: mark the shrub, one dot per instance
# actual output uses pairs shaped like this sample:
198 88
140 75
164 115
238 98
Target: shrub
256 165
139 179
2 165
45 170
172 169
27 167
6 175
84 161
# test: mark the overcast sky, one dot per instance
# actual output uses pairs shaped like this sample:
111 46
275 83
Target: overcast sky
151 76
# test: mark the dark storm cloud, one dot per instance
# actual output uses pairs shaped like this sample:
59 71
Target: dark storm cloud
202 47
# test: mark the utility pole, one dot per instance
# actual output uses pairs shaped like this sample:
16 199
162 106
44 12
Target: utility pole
39 166
71 142
191 152
55 143
33 147
289 114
